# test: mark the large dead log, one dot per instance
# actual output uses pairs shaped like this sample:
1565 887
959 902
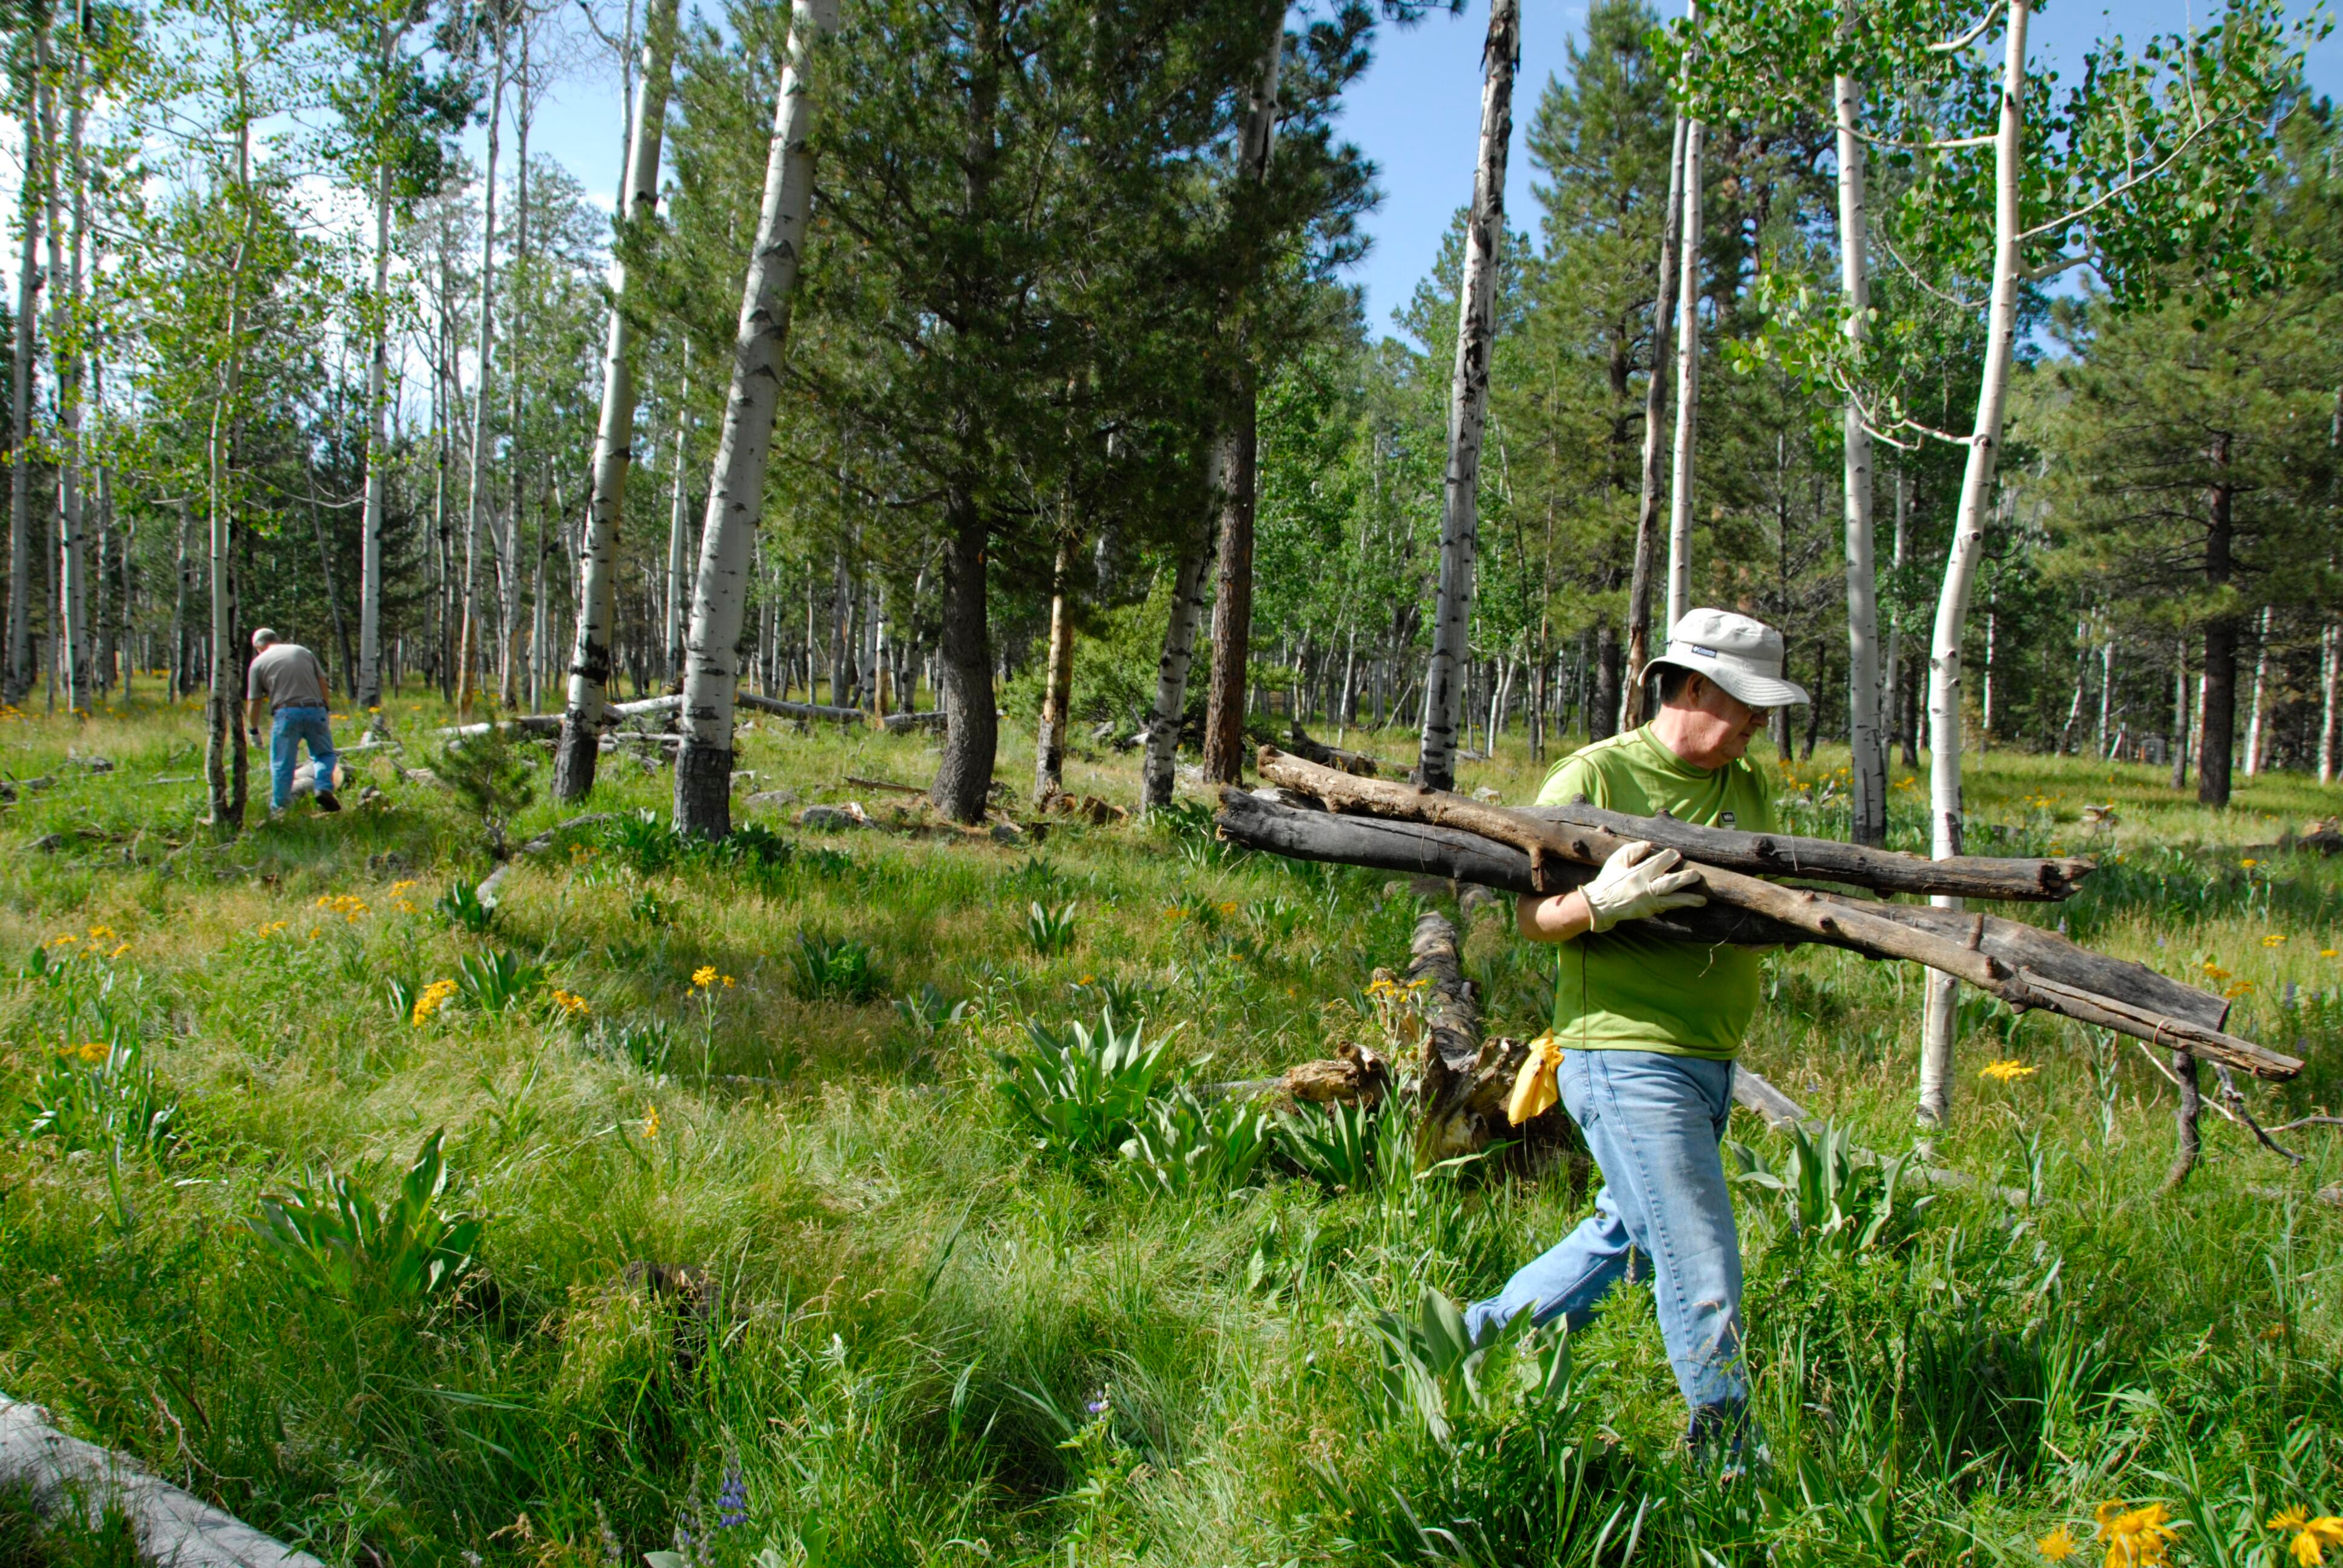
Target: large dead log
1417 849
1464 1079
1550 846
1828 861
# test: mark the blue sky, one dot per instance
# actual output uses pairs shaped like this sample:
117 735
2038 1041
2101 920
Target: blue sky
1416 113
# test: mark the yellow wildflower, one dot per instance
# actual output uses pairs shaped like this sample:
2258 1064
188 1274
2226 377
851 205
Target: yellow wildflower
703 976
2007 1070
434 996
2273 939
2059 1545
2238 990
64 941
93 1053
2137 1537
2249 862
570 1002
2312 1537
727 979
119 950
650 1124
1086 979
401 886
101 933
2213 972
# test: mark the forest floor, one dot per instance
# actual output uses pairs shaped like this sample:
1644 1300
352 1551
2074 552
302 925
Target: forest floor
765 1257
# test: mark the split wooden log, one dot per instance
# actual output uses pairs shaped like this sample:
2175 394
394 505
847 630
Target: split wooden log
1828 861
1863 927
1465 1080
1452 855
1305 745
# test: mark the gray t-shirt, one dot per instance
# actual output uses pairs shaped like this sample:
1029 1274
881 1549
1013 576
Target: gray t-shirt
288 675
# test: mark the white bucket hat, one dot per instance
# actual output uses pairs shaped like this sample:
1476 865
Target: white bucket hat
1741 655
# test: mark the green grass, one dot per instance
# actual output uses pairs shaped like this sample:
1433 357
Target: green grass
866 1286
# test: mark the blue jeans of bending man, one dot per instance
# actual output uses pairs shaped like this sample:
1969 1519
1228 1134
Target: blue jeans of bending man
1653 1123
310 727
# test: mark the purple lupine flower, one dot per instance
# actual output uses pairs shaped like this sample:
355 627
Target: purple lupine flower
1097 1406
732 1500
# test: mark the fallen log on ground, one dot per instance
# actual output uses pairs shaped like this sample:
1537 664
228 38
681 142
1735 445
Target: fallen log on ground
797 710
1464 1079
1303 745
1455 856
1862 928
1828 861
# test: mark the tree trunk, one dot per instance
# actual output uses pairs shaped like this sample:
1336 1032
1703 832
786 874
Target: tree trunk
1226 695
1164 722
19 656
1233 466
1049 745
1688 368
2216 713
1940 1020
466 641
2330 669
517 334
66 355
1468 399
1603 709
1868 822
224 748
183 673
736 487
2254 714
1655 408
2180 713
377 448
964 773
678 532
580 747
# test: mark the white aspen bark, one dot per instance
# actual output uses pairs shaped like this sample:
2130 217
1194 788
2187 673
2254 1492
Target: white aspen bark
1155 771
703 768
1893 681
2253 718
2106 699
1687 371
465 643
580 747
2180 745
224 749
1868 824
1655 409
19 656
2330 646
1939 1023
1468 400
377 451
65 352
678 528
517 334
1058 674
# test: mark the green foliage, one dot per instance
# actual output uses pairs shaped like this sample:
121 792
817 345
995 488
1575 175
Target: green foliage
1833 1197
1433 1371
496 981
373 1239
825 964
1082 1092
463 909
1048 932
1186 1144
492 776
1345 1147
103 1098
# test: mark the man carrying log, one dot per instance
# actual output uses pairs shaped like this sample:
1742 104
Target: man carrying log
1646 1029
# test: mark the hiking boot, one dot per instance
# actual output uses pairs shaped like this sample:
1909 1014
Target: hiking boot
328 803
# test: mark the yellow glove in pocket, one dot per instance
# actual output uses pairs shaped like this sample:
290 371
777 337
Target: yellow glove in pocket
1535 1089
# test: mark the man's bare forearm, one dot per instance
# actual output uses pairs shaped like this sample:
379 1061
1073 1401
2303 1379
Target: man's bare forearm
1554 917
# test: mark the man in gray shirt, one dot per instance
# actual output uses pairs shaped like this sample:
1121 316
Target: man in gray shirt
290 679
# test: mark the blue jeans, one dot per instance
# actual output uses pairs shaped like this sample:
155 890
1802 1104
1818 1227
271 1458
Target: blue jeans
1653 1123
309 726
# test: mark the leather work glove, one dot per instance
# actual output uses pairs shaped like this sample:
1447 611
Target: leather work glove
1640 879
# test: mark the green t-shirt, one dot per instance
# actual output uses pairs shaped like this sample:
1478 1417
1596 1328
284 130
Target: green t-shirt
1626 989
